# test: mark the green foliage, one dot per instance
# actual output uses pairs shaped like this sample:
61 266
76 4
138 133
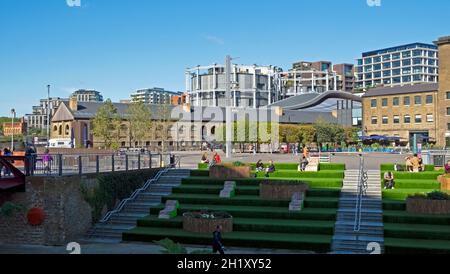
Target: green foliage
238 164
113 187
438 195
9 208
139 117
106 124
170 247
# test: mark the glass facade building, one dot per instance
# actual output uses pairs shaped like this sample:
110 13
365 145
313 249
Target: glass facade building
407 64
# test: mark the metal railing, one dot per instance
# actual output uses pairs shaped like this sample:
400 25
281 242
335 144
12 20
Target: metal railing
176 162
362 190
73 164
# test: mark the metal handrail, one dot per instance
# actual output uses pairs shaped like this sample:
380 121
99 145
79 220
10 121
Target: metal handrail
133 196
362 188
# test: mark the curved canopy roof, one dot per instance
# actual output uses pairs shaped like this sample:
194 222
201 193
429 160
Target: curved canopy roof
326 101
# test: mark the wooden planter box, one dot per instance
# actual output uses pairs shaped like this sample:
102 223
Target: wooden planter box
204 225
228 172
426 206
445 182
279 190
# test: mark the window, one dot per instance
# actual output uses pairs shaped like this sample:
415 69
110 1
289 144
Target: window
377 67
417 100
418 119
396 119
396 64
396 101
448 126
386 57
406 78
417 52
384 102
406 54
67 130
417 61
368 61
430 118
395 56
406 101
55 128
448 111
429 99
385 120
374 120
386 73
387 65
448 95
373 103
377 59
407 119
406 62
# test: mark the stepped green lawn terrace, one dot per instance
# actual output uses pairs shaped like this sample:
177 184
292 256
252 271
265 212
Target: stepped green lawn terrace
258 223
413 233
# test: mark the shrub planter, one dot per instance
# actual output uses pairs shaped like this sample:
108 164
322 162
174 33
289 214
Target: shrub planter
445 182
427 206
281 190
36 216
228 172
207 221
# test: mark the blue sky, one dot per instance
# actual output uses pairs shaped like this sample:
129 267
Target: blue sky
117 46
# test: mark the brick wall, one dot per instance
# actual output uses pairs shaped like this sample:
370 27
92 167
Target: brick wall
68 215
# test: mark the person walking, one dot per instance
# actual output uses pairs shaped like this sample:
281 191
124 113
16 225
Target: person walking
47 161
217 241
305 151
7 152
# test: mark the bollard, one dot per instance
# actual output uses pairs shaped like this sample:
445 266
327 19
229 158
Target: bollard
126 162
112 162
80 165
60 165
97 163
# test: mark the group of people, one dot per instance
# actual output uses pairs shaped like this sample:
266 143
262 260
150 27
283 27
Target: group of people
414 164
215 159
269 169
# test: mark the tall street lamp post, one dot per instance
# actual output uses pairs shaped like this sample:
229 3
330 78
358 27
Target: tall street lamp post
13 116
48 114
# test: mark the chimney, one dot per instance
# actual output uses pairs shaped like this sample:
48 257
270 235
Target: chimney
73 103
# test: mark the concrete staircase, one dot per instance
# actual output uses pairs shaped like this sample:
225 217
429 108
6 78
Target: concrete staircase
112 230
346 240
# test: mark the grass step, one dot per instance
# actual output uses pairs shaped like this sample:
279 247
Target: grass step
318 243
291 166
313 182
416 184
415 246
394 205
248 200
417 231
248 224
402 194
249 190
259 211
303 175
428 175
395 216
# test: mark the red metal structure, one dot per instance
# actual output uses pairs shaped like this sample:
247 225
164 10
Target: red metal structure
16 183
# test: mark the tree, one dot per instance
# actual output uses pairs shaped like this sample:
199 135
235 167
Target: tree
351 135
140 123
308 133
106 124
324 133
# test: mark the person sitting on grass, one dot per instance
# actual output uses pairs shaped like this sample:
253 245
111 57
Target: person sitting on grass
303 163
447 168
259 166
409 165
389 182
421 165
415 163
270 168
205 158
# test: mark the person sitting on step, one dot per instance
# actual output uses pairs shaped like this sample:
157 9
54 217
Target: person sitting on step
389 182
270 168
303 163
259 166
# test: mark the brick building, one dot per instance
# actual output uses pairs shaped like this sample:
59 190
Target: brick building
18 128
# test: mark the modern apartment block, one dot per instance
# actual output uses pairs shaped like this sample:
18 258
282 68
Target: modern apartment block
251 85
84 95
402 65
345 77
308 77
38 118
156 96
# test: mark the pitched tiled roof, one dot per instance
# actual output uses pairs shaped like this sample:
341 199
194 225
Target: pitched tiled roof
398 90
